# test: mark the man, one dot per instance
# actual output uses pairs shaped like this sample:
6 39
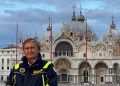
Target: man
33 71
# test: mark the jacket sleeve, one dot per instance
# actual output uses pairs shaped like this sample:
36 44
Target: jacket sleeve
52 77
10 78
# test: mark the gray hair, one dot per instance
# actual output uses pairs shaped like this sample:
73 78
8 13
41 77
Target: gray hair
31 40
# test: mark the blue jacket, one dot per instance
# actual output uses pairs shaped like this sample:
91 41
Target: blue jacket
32 75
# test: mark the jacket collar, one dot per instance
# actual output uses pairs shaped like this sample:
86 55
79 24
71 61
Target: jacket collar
24 59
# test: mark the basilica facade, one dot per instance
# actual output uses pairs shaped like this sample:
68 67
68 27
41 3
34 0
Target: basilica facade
78 55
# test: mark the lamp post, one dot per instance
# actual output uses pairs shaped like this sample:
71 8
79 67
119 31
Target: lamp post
50 37
86 44
86 64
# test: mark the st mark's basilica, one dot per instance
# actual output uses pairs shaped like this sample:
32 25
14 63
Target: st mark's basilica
78 55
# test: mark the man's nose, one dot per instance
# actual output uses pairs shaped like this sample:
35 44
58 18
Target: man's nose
29 49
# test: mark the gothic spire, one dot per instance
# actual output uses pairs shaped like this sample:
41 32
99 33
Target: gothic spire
50 25
36 35
73 16
80 9
112 26
81 17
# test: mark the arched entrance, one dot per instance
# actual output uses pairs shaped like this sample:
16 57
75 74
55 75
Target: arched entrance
63 75
100 72
84 73
116 78
63 67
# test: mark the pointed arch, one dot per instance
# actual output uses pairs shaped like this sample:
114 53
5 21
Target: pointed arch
84 72
63 67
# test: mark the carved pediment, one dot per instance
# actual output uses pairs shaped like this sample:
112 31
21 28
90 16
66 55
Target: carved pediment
63 36
63 63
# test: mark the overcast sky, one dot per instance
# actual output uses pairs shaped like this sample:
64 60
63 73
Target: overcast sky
33 16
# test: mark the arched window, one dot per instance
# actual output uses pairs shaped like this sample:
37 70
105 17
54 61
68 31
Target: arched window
1 78
110 47
85 74
64 49
100 54
71 34
110 53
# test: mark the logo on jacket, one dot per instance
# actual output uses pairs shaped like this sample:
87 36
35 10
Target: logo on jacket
22 70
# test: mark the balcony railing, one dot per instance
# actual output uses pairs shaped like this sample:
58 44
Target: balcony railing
64 53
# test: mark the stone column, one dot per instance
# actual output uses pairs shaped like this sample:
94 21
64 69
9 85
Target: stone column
93 75
77 79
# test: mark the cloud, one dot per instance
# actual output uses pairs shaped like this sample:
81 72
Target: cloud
33 15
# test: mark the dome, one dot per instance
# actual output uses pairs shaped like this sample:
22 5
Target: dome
73 18
79 25
81 18
78 29
112 33
76 26
46 37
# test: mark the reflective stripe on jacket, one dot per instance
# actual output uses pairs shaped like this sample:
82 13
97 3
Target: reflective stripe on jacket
17 66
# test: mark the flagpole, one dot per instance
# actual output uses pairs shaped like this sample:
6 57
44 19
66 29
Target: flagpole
50 37
86 48
17 42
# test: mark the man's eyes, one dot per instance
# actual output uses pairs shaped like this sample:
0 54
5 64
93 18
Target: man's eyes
30 48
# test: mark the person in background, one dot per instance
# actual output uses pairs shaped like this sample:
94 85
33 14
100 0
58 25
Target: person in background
33 71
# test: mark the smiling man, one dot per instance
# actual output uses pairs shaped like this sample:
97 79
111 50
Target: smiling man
33 71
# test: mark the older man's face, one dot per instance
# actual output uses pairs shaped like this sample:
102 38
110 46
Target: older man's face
31 50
